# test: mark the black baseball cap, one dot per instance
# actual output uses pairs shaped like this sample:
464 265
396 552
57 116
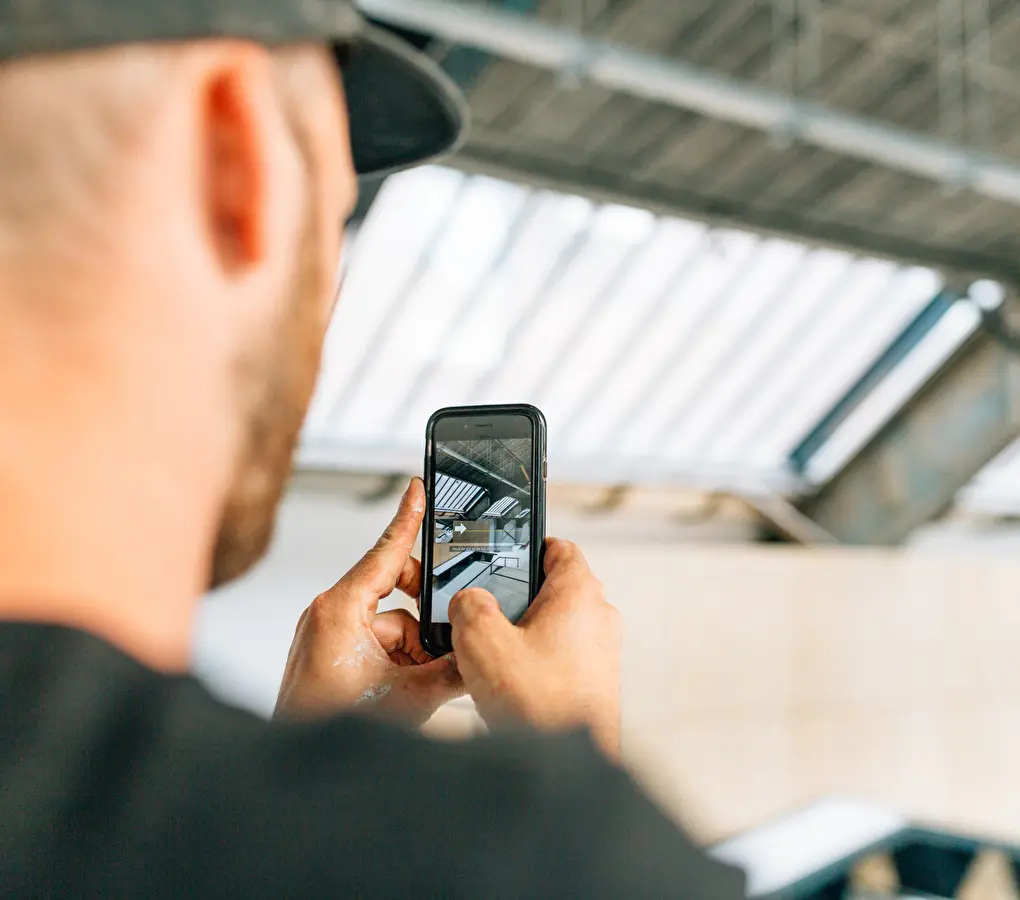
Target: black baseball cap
403 110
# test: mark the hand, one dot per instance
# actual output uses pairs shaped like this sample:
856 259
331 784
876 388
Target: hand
560 666
345 654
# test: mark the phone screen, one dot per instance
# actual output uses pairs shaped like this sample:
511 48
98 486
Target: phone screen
483 493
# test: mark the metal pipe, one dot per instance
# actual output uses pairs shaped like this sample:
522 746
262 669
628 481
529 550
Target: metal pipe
536 43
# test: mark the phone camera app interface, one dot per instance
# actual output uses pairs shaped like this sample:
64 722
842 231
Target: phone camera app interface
482 534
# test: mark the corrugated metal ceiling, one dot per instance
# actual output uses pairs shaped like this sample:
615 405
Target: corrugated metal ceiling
948 69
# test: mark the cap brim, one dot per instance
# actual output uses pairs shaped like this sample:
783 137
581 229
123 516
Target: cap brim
403 109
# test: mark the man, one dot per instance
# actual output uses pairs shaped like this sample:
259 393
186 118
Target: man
173 182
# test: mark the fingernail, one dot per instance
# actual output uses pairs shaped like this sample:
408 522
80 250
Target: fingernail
419 507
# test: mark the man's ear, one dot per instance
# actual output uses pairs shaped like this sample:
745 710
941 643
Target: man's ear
240 109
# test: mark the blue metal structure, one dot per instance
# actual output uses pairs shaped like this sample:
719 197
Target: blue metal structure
883 367
816 853
912 470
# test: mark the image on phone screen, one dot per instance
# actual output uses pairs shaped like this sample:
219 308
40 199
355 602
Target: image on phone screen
482 528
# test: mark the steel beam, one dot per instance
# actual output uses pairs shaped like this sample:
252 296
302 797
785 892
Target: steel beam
911 471
484 156
389 456
533 42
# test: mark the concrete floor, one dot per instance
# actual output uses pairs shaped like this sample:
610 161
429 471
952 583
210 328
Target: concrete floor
509 584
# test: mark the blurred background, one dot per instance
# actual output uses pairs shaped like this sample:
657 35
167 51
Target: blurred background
757 261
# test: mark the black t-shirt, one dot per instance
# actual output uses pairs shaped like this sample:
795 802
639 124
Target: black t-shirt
116 781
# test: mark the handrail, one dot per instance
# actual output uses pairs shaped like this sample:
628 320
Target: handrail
491 568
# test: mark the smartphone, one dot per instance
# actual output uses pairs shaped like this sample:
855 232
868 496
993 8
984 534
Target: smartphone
485 473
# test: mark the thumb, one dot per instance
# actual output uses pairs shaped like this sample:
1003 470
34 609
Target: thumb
481 633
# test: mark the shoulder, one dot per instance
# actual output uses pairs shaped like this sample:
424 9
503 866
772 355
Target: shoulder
192 797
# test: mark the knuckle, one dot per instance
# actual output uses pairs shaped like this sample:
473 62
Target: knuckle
371 571
301 622
398 617
319 614
613 616
467 642
406 616
469 645
317 607
371 562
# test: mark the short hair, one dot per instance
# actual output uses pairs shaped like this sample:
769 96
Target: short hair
62 121
66 121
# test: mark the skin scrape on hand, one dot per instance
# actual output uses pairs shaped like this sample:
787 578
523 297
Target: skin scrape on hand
376 692
362 650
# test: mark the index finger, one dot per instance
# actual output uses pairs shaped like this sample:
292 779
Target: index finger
381 569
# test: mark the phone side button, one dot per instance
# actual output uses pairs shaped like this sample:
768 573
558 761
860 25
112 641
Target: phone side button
545 467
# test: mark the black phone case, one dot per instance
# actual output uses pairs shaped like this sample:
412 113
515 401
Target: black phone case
435 638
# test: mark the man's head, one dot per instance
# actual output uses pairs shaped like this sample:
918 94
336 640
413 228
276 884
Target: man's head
196 195
171 217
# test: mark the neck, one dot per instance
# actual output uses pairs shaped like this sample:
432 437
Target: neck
106 521
82 547
53 569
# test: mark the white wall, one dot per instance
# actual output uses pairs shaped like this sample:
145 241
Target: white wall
244 631
756 677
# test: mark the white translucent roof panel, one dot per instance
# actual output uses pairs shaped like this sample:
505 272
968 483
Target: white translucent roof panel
500 508
455 496
659 348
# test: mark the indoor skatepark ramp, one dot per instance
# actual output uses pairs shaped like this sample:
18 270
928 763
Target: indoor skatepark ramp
838 849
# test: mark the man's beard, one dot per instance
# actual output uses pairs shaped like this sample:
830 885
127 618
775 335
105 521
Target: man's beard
275 381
